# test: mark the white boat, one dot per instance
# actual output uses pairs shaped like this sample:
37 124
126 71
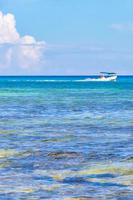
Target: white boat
105 76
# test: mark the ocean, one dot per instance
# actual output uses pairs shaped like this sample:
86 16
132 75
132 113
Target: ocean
64 138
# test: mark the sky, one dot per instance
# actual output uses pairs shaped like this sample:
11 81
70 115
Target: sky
66 37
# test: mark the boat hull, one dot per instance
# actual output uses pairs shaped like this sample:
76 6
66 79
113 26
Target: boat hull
104 79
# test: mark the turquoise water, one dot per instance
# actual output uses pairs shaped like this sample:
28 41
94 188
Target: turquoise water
66 139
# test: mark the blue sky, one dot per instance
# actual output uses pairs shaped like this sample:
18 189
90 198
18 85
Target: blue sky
69 37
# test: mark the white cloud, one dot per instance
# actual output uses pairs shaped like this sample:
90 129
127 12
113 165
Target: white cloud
22 53
122 27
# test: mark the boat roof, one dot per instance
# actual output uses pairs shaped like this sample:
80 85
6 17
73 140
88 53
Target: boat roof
109 73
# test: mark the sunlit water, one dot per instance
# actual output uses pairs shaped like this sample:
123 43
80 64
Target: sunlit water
64 139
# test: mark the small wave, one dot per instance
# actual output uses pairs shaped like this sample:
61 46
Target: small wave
87 80
54 80
38 80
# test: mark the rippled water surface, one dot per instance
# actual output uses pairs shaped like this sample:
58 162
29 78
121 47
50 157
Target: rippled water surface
64 139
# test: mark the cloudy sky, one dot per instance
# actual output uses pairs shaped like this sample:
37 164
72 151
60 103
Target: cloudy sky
66 37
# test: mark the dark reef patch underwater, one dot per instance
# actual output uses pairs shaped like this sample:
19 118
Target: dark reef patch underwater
66 139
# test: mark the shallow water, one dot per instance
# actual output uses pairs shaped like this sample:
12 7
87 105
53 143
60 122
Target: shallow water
61 138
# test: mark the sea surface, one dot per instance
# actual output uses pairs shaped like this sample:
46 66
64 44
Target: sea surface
65 138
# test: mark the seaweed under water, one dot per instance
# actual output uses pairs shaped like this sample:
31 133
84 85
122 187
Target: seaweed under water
66 140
